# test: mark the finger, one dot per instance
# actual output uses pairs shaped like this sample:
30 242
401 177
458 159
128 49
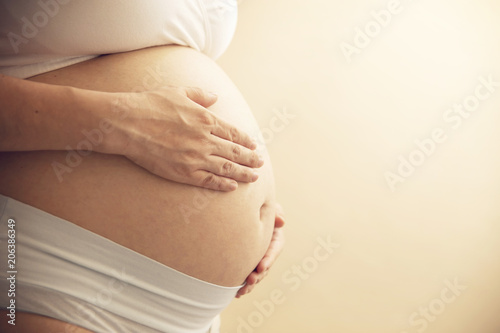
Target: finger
273 251
229 132
200 96
279 221
254 278
244 290
237 154
250 283
227 169
265 264
211 181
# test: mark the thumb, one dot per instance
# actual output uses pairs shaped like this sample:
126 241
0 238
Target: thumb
279 220
201 97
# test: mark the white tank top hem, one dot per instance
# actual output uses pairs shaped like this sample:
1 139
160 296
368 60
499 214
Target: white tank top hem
44 35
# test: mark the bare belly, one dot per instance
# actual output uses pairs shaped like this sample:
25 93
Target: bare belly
214 236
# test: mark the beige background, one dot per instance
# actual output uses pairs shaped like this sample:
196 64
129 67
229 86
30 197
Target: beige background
352 121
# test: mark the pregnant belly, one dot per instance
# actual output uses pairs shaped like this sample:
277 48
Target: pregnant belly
214 236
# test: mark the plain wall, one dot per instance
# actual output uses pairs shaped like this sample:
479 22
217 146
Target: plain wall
422 255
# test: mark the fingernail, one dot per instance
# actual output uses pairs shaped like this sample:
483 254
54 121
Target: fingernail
255 176
265 264
233 186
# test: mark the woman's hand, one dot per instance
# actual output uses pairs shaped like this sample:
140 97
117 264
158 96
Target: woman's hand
272 253
170 133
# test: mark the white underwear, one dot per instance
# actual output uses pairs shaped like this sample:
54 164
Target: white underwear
71 274
44 35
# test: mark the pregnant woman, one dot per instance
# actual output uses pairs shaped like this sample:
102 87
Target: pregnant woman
129 201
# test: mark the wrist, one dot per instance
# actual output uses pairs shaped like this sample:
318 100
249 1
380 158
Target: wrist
87 120
103 131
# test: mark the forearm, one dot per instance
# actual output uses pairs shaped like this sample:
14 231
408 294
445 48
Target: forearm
168 130
37 116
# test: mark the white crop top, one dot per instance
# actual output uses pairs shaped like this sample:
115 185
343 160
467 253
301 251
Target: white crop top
37 36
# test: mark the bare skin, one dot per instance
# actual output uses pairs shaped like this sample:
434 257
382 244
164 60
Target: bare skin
220 239
189 144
